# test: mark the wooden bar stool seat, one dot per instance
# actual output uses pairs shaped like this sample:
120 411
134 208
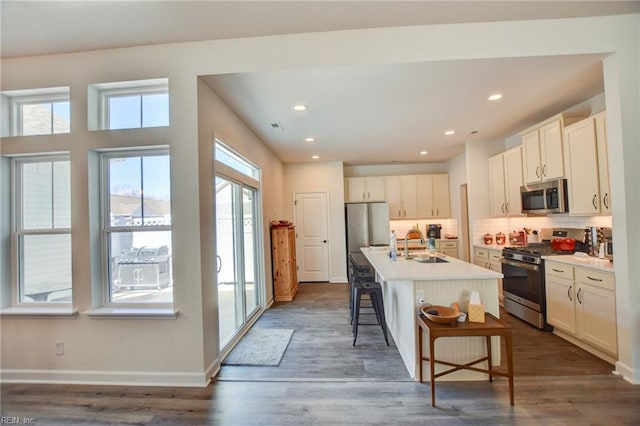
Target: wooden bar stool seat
491 327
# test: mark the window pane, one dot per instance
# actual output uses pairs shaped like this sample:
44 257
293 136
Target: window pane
140 267
155 110
61 194
156 182
61 117
36 119
124 112
45 268
125 191
249 232
229 158
36 192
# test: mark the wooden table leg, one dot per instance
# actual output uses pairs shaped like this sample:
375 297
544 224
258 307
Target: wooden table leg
432 357
489 363
510 365
420 353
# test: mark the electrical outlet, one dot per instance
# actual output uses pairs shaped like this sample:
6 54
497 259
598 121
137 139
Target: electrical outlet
59 347
420 296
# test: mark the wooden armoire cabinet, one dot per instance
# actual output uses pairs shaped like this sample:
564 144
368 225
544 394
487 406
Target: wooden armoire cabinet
283 256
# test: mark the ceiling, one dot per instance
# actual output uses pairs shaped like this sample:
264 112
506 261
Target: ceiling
359 115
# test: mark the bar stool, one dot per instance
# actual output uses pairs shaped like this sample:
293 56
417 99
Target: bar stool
374 290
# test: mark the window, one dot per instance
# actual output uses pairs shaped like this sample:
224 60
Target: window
42 228
136 227
130 105
38 112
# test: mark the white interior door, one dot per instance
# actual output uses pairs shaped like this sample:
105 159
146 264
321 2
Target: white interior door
312 242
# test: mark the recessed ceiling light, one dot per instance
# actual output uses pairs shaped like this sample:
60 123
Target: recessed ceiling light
315 157
423 152
495 97
300 107
450 132
309 140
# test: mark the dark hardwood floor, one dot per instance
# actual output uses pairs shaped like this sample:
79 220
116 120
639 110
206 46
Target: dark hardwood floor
324 380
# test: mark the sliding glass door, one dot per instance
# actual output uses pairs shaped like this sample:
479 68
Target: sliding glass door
236 235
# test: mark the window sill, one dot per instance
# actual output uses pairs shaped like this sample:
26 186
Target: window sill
142 313
37 312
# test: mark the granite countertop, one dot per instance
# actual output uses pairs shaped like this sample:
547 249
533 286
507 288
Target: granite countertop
410 270
584 262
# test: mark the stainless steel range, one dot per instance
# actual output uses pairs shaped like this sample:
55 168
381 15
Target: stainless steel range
523 270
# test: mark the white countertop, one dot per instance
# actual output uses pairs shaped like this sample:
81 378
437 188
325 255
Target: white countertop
410 270
585 262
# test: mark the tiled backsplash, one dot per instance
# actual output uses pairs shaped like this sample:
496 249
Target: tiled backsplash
506 225
449 226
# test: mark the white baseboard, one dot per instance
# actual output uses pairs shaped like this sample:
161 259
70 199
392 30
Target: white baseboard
627 373
117 378
340 280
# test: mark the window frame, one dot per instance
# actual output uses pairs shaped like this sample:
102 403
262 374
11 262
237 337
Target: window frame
106 94
18 101
106 229
18 231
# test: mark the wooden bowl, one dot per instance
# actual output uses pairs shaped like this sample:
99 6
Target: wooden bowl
440 314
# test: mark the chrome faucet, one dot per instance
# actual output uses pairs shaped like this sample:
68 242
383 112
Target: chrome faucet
406 241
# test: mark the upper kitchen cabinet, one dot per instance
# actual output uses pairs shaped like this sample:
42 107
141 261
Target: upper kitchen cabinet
588 174
543 148
369 188
505 179
401 194
433 196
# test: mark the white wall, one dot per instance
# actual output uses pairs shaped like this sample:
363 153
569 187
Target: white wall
139 351
325 177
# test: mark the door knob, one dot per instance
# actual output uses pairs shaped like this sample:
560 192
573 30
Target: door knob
324 241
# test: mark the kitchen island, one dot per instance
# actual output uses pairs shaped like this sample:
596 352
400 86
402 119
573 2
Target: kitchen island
407 285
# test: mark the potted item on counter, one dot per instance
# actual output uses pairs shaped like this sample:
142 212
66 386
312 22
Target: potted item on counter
488 239
501 238
563 244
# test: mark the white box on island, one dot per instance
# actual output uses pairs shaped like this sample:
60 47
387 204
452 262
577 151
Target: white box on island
442 284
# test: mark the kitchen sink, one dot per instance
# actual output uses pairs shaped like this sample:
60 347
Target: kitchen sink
428 259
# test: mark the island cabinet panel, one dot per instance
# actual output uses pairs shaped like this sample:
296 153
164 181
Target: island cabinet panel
283 247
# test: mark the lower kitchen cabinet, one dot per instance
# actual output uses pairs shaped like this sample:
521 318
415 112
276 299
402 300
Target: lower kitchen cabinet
581 306
283 255
448 248
489 258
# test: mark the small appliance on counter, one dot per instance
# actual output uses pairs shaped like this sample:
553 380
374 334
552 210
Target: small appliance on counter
434 230
518 238
597 237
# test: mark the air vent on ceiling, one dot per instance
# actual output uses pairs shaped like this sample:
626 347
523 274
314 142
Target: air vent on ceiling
276 125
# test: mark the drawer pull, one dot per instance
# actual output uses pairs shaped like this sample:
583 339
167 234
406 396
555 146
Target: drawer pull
557 270
594 279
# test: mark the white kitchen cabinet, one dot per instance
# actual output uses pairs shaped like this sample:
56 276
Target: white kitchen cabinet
433 196
369 188
560 296
542 148
588 171
448 248
489 258
481 257
581 303
505 180
401 194
603 162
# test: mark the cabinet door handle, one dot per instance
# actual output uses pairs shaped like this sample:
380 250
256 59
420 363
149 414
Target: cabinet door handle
544 170
502 208
594 279
368 195
364 197
569 293
437 212
605 200
578 295
593 201
506 207
538 171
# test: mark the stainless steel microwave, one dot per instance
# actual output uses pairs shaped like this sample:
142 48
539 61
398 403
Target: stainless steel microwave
545 197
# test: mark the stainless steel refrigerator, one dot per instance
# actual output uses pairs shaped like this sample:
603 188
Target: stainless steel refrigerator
367 225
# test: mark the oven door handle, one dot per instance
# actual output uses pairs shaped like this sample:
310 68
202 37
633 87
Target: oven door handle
521 265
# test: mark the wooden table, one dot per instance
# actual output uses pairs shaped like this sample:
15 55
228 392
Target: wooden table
491 327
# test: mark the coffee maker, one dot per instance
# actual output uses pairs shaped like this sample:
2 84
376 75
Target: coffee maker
433 230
